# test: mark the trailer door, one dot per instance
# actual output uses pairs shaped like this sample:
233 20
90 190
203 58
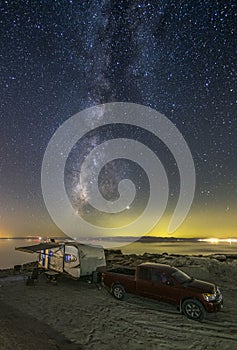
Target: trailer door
56 258
71 261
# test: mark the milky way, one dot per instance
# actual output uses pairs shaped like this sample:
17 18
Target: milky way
60 57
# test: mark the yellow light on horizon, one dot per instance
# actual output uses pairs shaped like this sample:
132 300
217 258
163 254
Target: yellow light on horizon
214 240
210 240
229 240
218 240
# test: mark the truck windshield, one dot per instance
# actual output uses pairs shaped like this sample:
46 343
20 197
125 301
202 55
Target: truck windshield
181 277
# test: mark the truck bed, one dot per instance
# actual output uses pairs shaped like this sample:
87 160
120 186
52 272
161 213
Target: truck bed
123 271
120 275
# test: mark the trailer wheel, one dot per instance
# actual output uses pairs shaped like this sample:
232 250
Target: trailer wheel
118 292
193 309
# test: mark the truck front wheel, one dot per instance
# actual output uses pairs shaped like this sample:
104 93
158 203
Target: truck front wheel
118 292
193 309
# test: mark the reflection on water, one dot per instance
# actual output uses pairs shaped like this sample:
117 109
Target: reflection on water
10 257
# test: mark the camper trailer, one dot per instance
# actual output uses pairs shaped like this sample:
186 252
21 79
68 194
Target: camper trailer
69 258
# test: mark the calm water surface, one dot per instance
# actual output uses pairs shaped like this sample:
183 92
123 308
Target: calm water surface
10 257
182 248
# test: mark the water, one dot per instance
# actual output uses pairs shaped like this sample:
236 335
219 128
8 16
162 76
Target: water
182 248
10 257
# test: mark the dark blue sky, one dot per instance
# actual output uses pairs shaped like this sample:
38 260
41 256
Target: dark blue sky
59 57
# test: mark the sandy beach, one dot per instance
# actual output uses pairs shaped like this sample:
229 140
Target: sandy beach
78 315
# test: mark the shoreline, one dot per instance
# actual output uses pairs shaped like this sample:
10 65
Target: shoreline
9 256
112 254
203 266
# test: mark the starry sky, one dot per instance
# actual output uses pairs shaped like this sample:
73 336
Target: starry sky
177 57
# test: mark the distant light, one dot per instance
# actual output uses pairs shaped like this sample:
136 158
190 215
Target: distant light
218 240
214 240
230 240
127 207
210 240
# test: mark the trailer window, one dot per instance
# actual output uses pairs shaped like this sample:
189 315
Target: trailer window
70 258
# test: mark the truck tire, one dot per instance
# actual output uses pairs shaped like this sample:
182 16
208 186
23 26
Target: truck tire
193 309
118 292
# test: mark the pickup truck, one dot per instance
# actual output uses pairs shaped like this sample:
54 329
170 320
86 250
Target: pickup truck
194 298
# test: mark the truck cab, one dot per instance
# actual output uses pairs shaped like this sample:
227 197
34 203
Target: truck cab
158 282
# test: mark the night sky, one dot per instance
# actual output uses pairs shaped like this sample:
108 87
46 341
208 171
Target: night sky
177 57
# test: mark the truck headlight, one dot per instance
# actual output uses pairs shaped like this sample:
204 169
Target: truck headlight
209 297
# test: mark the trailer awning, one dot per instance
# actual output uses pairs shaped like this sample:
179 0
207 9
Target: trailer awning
37 247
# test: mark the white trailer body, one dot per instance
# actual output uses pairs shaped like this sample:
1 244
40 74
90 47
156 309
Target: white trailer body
70 258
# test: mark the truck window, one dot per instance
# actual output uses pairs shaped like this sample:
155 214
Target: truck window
158 276
144 274
155 275
164 278
181 276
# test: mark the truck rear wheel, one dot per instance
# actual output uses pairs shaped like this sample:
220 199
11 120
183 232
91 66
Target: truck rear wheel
118 292
193 309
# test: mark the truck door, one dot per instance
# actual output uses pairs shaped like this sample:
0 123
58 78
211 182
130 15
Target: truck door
154 284
162 286
143 282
